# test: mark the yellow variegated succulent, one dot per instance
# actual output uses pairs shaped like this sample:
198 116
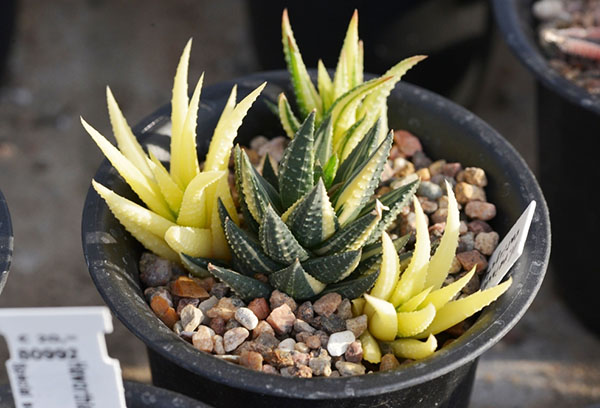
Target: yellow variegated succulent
405 306
182 213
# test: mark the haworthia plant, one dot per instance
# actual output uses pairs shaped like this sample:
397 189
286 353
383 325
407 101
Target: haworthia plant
304 237
183 197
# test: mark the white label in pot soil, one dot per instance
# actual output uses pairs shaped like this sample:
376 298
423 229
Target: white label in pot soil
509 250
58 358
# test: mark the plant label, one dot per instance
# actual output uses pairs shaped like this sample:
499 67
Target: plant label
509 250
58 358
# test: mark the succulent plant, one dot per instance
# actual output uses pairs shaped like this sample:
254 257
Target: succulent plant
347 103
181 213
301 237
411 304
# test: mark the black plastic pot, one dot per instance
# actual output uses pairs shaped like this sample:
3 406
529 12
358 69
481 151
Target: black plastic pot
6 241
137 395
443 380
568 121
390 29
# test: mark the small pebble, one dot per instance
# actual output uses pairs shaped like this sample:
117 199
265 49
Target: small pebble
257 142
339 342
305 311
320 366
191 317
451 169
260 308
424 174
251 360
218 325
463 228
344 310
300 358
473 175
279 298
327 304
246 318
183 302
480 210
218 345
262 327
466 242
177 327
389 362
274 147
269 369
430 190
154 271
224 309
347 368
456 266
234 337
466 193
202 339
420 160
486 242
354 352
436 167
471 258
282 319
407 143
301 347
219 290
357 325
313 342
232 324
477 226
287 344
301 326
206 305
189 288
330 324
439 216
427 205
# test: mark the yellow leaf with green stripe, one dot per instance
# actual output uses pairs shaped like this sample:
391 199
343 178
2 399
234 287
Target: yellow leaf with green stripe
179 106
169 189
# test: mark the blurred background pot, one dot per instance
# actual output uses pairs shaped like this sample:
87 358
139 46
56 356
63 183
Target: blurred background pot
443 380
568 125
6 241
455 34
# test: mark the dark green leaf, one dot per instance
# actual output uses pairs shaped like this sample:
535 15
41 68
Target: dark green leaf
296 170
245 287
332 268
295 282
277 240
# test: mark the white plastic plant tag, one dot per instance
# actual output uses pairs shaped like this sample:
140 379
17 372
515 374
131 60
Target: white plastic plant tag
509 250
58 358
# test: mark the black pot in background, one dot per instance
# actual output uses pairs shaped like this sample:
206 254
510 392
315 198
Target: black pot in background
568 122
6 241
456 34
443 380
8 12
137 395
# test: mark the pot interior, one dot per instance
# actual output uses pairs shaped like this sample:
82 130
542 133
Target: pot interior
446 131
6 241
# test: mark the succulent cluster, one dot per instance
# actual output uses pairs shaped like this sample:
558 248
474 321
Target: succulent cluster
181 214
310 217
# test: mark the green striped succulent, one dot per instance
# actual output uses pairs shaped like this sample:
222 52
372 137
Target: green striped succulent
302 237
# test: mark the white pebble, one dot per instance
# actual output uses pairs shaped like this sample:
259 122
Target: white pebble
287 344
246 318
339 342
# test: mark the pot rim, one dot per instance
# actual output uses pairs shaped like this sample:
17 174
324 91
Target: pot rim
6 241
467 348
513 30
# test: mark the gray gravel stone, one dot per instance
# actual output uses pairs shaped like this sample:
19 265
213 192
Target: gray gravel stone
191 317
347 368
430 190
